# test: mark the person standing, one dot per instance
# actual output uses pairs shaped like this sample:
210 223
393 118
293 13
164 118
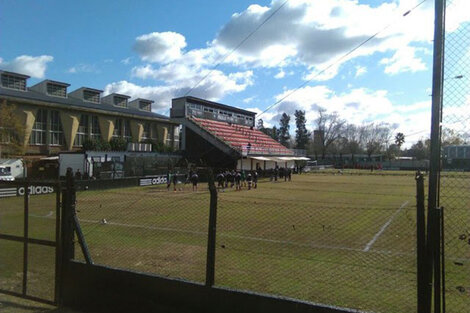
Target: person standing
238 178
220 180
249 179
255 179
168 180
175 181
194 180
243 175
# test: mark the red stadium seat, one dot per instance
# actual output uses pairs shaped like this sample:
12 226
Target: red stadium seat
239 137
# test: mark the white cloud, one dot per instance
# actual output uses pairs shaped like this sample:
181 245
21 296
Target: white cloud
280 75
29 65
404 60
216 86
161 47
317 33
360 70
249 99
83 68
356 106
126 61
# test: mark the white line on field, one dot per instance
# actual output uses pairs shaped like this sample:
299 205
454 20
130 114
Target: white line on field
384 227
286 242
47 215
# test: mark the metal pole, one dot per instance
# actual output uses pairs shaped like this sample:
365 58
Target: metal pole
58 253
421 242
25 235
434 169
211 238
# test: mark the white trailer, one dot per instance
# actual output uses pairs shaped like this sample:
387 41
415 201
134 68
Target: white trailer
14 167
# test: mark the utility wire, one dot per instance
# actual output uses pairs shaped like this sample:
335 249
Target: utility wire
319 73
338 60
236 47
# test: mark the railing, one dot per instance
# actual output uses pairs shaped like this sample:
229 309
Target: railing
249 150
299 152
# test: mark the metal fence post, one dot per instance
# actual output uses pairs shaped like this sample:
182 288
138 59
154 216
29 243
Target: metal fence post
421 244
211 234
68 203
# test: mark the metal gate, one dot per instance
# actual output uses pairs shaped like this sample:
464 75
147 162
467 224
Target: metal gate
30 239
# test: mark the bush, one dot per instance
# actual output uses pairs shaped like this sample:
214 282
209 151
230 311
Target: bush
96 145
118 144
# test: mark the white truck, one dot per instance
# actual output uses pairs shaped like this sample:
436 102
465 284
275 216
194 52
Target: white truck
10 169
5 174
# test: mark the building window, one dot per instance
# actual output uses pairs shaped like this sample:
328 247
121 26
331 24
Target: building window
38 133
91 96
145 106
120 101
56 90
56 133
95 128
117 128
82 131
127 130
13 82
146 134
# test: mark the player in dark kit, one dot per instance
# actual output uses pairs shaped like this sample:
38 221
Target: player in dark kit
228 178
255 179
220 180
175 181
238 179
249 179
194 180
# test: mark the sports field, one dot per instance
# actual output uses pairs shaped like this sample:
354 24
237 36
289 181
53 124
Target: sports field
340 239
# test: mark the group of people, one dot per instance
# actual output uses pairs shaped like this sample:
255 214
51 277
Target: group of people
281 173
229 178
239 179
192 177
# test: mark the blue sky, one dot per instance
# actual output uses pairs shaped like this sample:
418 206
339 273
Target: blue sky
161 49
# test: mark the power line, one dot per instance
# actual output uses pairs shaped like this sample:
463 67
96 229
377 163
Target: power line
236 47
319 73
338 60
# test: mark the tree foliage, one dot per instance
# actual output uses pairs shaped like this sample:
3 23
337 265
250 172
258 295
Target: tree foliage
399 139
284 126
329 127
12 131
301 133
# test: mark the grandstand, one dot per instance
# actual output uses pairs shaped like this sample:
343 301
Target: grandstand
219 135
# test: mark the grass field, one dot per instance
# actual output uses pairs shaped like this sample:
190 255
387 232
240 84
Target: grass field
346 240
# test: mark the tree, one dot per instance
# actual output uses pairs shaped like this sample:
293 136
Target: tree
376 138
420 150
393 151
284 135
260 124
399 139
274 133
329 127
450 137
353 137
301 134
11 130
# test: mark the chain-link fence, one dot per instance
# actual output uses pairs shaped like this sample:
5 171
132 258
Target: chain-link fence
340 238
455 143
152 229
